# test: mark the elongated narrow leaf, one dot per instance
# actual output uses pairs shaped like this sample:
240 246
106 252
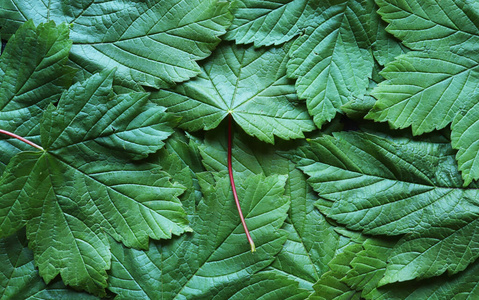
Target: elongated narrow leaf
249 84
269 22
32 75
82 187
152 43
332 61
385 187
200 264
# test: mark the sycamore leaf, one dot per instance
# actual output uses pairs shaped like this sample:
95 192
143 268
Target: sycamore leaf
20 280
247 83
386 186
437 85
430 23
332 60
393 187
302 258
460 286
32 75
265 285
82 188
200 264
89 115
434 251
152 43
369 265
330 286
269 22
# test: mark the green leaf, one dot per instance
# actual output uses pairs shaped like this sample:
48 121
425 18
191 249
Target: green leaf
247 83
425 90
460 286
122 34
89 114
20 280
262 286
82 188
431 253
265 23
434 24
332 60
199 264
33 73
429 89
331 285
369 265
386 186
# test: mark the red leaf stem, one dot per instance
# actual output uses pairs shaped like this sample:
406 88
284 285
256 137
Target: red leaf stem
233 187
21 139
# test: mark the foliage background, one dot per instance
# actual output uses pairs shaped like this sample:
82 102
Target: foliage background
355 149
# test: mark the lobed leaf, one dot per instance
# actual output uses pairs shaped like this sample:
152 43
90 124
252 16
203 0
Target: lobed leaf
266 23
250 85
386 187
200 264
121 34
435 87
83 187
33 73
332 61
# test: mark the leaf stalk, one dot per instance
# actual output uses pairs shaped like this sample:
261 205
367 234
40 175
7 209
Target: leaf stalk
233 187
21 139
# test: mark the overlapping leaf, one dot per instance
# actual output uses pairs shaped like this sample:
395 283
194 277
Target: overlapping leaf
248 84
332 60
152 43
266 23
20 280
83 186
390 187
33 73
305 256
435 86
200 264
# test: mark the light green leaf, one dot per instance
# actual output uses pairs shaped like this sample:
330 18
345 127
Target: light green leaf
438 85
431 253
425 90
200 264
266 23
152 43
332 60
33 73
82 188
248 84
386 186
434 24
19 279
